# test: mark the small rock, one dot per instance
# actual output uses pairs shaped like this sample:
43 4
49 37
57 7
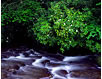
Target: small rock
51 64
62 73
45 62
90 74
26 54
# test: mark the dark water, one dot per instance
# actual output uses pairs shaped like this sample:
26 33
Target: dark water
24 63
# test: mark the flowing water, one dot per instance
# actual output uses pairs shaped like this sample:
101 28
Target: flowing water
29 64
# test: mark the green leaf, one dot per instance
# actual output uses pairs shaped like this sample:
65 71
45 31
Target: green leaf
98 4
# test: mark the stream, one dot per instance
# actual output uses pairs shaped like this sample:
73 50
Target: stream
25 63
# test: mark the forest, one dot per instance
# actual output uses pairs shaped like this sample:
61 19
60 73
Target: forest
67 27
64 24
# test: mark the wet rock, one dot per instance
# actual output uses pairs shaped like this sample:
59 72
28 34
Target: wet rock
52 64
89 74
28 62
21 62
55 57
44 62
58 78
26 54
11 64
35 57
31 51
82 61
83 66
31 72
62 73
4 74
4 56
7 54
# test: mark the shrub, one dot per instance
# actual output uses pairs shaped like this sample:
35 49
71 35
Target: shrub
67 28
19 17
62 24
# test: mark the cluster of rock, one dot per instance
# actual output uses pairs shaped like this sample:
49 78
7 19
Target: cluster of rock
29 64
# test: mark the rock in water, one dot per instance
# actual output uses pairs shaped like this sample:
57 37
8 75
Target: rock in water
62 73
31 72
29 64
87 74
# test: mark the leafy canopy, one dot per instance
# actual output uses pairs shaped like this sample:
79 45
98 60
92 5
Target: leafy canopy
67 28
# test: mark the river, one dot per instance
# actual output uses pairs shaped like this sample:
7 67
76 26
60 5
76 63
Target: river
25 63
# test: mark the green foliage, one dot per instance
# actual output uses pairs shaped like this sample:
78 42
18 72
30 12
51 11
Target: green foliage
67 28
65 23
25 12
18 16
98 4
